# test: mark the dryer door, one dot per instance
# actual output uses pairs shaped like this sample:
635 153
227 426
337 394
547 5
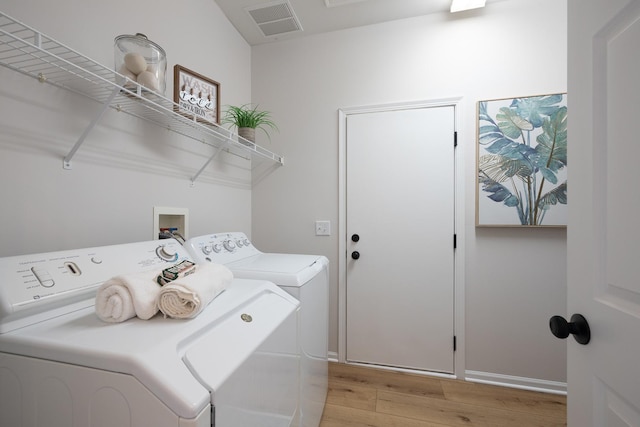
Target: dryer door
249 363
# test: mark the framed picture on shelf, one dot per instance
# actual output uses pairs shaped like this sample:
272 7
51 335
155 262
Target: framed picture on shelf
521 170
196 95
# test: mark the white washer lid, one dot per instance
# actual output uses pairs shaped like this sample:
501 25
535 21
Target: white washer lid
242 331
150 350
282 269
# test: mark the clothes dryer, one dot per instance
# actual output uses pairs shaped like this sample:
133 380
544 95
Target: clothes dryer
305 277
235 364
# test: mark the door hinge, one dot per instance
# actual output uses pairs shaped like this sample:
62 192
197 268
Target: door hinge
455 241
455 139
455 346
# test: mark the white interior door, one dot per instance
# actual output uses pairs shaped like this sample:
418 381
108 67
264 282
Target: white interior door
603 232
400 204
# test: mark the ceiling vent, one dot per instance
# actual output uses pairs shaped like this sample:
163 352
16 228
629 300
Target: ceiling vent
334 3
274 18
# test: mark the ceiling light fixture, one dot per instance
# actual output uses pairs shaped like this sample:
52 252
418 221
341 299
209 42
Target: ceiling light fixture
334 3
460 5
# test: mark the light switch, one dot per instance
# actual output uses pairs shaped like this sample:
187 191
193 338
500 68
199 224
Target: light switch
323 228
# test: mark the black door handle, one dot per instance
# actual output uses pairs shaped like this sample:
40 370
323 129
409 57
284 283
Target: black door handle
578 327
355 254
355 238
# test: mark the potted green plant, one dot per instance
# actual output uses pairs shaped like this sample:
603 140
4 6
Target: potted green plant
247 119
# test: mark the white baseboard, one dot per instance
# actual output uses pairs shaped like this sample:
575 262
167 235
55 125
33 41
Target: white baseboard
523 383
333 356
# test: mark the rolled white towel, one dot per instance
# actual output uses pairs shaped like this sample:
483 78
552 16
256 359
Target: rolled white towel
123 297
187 296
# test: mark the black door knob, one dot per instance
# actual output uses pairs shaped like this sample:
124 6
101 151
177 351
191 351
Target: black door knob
578 327
355 238
355 254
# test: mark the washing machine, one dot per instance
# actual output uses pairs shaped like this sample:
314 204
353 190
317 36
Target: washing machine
235 364
305 277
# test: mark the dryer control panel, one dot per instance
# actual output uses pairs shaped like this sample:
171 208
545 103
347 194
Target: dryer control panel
221 248
40 286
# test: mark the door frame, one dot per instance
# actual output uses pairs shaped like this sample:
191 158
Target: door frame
459 223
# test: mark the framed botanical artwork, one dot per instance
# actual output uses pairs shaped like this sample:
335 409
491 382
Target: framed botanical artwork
196 95
522 162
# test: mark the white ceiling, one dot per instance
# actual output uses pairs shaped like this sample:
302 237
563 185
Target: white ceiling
316 17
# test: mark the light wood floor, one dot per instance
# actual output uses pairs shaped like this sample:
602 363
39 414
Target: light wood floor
360 396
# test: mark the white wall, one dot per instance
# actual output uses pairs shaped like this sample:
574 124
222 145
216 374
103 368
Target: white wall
514 279
126 166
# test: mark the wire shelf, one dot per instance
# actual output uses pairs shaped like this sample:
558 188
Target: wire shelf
32 53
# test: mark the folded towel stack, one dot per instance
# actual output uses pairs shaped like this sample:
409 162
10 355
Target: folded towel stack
123 297
187 296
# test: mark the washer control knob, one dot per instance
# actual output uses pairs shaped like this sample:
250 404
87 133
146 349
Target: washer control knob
229 245
216 247
240 243
246 242
167 254
206 249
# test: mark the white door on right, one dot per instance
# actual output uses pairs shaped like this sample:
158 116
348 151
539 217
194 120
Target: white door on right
604 209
